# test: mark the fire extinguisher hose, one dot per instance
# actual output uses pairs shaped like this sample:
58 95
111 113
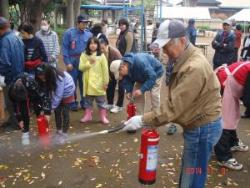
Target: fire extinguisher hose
114 129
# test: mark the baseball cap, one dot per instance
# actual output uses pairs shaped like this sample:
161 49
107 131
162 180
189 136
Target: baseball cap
82 18
3 22
228 22
114 68
168 30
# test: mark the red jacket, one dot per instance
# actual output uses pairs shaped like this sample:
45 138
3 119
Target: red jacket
240 75
238 35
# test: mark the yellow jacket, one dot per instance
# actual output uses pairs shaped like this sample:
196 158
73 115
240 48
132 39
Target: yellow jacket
95 76
194 93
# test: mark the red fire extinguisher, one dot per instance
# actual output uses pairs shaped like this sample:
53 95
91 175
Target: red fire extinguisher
131 111
43 129
148 156
43 125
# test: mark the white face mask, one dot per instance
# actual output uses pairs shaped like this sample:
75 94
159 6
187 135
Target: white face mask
44 27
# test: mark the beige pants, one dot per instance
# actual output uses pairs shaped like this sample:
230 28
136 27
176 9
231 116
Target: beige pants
155 95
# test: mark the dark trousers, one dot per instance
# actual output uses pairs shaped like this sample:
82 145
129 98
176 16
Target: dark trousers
227 140
23 114
235 54
62 117
111 92
22 110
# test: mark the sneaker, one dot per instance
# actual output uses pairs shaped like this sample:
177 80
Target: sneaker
116 109
171 129
231 164
244 116
239 147
109 106
26 139
62 138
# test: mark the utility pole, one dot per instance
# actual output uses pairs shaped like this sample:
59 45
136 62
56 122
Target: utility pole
143 26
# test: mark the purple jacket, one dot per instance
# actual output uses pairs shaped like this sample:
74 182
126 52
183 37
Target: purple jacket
65 88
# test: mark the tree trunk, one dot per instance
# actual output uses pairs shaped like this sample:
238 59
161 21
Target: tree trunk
4 8
32 11
77 5
70 13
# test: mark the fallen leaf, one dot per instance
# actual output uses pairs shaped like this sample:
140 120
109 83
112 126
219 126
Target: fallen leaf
50 156
107 150
43 175
136 140
170 164
32 181
42 157
3 167
98 185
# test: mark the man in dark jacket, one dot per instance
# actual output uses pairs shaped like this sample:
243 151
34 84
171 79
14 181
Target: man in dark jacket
191 31
11 63
140 73
223 44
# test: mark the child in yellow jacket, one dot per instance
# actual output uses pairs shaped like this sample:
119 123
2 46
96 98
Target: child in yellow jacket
94 66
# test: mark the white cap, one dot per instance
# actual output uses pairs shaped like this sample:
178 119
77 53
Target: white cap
168 30
114 68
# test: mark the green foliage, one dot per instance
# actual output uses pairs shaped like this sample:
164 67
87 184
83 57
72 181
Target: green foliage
203 27
148 4
60 31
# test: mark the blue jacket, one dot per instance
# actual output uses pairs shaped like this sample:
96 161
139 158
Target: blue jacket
73 44
191 33
144 69
11 56
65 87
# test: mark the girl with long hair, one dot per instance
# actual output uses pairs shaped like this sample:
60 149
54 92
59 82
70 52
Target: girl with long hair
61 87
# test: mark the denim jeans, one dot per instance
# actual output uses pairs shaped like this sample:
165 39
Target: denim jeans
100 101
198 145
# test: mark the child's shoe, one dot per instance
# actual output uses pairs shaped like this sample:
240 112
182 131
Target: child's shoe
63 138
239 147
103 115
26 139
87 116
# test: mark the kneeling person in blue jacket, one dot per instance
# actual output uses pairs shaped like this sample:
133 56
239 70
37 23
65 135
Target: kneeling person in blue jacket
140 73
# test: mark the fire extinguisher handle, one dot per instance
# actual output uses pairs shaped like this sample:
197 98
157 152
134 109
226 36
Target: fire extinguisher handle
117 128
132 99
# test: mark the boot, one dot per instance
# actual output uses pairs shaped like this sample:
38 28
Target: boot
26 138
87 116
103 115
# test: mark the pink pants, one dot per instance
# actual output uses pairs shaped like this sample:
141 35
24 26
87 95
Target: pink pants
231 104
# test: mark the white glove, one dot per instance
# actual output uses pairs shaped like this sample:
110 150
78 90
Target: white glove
133 123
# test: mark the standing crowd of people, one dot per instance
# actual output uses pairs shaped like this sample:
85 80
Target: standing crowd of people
35 82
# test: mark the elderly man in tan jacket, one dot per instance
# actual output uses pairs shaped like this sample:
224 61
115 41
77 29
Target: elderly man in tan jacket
193 101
